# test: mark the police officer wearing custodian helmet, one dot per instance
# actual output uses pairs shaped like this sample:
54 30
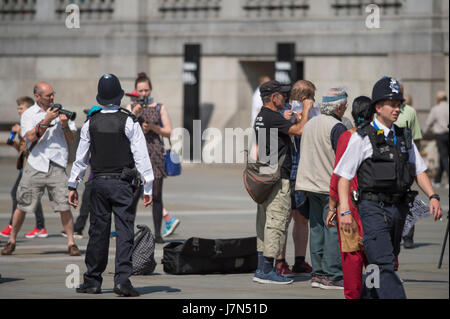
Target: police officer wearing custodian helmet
113 140
387 162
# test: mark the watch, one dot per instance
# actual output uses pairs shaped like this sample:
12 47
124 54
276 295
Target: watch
436 196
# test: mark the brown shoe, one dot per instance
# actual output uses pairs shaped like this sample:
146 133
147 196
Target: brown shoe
74 251
8 249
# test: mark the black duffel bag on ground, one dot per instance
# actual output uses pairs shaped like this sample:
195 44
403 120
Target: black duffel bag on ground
143 257
209 256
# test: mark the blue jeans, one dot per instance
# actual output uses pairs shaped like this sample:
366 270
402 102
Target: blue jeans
324 242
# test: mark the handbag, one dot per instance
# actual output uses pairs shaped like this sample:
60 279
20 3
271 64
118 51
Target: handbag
259 184
143 256
172 162
24 155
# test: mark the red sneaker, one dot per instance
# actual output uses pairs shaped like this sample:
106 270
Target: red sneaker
42 233
283 269
6 232
303 269
33 233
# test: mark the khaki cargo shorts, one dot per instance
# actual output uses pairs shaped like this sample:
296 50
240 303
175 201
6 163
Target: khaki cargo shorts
32 186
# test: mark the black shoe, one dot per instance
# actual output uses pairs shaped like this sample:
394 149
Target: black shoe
85 289
159 240
126 290
408 243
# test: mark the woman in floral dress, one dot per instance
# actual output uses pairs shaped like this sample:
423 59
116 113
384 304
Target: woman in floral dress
155 122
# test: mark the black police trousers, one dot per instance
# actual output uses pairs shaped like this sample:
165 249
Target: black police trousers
382 233
110 196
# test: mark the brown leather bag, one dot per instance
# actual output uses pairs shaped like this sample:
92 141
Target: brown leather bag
23 156
260 178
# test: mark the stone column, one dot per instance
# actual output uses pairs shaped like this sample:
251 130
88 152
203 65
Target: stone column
45 10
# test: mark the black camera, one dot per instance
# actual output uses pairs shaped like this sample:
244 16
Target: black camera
145 101
69 114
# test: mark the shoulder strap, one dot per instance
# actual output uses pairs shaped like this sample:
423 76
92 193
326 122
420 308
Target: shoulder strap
364 129
158 109
133 117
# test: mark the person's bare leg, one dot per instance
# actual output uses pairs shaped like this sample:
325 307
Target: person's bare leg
67 222
300 234
18 218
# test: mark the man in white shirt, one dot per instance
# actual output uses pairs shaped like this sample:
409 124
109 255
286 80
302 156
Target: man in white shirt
47 133
437 122
257 102
387 162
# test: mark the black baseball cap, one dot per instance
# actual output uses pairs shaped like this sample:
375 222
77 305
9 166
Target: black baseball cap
270 87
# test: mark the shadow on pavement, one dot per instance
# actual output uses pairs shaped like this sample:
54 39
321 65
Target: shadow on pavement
417 245
148 290
59 252
301 278
430 281
4 280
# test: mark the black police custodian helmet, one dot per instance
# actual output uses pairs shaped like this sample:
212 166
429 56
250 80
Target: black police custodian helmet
386 89
109 90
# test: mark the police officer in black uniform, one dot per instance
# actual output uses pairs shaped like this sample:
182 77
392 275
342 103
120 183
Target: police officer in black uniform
387 163
113 140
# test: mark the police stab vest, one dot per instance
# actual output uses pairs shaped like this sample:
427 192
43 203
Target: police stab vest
388 170
110 147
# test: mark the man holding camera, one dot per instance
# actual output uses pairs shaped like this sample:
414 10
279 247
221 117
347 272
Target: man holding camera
47 133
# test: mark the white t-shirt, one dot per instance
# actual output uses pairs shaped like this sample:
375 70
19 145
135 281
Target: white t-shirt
257 104
359 149
52 146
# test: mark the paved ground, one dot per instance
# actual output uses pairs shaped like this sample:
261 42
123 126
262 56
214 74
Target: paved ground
211 203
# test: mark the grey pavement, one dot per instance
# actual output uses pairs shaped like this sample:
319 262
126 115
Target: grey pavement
211 202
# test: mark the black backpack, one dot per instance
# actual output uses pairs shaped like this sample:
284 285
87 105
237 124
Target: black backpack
143 257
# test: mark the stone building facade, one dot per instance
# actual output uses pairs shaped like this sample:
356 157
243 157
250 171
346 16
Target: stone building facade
238 38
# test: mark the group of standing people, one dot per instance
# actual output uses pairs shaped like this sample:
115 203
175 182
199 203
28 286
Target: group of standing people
126 157
358 180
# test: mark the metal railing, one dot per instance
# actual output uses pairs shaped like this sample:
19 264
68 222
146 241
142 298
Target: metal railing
89 9
17 10
275 8
189 9
357 7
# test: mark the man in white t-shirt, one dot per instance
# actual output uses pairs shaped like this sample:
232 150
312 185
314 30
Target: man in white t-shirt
47 133
257 102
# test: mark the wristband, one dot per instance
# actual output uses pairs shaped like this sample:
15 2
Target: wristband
436 196
332 210
347 212
40 128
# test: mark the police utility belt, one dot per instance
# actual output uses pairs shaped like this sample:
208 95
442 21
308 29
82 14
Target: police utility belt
407 197
129 175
